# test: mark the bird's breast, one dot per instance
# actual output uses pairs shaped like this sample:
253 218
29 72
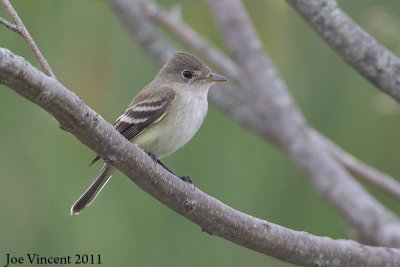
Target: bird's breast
181 122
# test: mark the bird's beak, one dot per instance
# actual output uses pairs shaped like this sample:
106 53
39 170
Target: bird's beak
213 78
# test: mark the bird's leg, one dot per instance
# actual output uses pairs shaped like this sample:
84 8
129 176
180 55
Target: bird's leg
183 178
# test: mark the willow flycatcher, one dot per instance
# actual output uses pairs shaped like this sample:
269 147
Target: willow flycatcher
163 117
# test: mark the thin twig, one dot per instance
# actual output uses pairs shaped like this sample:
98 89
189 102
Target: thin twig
210 214
10 25
383 181
20 28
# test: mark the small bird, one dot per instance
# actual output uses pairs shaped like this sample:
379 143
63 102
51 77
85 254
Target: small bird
163 117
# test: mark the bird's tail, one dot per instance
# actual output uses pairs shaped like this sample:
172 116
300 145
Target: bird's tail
94 189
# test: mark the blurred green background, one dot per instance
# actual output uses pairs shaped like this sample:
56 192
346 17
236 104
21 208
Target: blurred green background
43 169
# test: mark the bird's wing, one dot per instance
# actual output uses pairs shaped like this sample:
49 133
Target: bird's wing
145 109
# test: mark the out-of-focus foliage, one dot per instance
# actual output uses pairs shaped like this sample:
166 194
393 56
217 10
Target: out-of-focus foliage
43 169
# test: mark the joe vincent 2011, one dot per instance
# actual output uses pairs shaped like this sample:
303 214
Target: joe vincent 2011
32 258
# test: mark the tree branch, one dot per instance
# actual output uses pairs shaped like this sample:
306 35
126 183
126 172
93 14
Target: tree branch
9 25
192 39
373 61
210 214
385 182
20 28
289 127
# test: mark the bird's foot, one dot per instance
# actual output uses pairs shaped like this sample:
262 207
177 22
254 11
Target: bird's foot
153 157
183 178
186 179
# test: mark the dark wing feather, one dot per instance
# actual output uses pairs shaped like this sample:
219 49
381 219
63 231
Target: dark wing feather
142 112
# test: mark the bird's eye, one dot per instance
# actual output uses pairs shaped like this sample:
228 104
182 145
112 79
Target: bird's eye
187 74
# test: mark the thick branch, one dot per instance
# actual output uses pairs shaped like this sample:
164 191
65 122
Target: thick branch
289 128
210 214
352 43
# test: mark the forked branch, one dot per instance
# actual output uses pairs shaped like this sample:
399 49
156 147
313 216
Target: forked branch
20 28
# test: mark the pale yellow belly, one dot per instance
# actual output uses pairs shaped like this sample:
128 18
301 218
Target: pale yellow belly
168 135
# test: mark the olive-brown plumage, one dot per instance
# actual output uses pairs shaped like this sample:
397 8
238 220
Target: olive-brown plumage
164 116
